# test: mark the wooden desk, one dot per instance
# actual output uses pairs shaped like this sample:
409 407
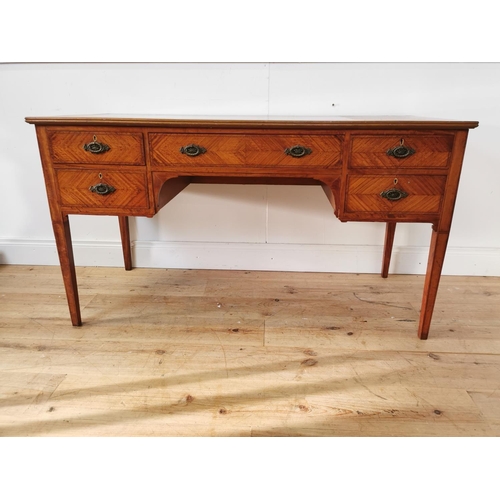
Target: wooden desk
380 170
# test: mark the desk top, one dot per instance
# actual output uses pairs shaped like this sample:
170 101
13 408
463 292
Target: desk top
307 122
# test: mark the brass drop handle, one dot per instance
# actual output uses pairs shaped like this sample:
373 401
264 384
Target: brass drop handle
298 151
95 147
193 150
400 151
102 189
393 194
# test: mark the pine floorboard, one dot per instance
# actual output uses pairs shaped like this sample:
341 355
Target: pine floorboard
244 353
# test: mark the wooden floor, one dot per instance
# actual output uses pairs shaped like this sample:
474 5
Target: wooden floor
235 353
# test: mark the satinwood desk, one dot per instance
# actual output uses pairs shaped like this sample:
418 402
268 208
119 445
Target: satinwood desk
381 170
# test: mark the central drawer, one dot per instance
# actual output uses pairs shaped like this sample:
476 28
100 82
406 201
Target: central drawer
255 150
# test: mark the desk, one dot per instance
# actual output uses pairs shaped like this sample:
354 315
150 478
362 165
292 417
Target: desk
379 170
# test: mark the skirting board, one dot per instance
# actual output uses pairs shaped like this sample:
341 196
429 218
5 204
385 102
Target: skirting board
255 256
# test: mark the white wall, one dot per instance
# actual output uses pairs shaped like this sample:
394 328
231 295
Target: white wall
251 227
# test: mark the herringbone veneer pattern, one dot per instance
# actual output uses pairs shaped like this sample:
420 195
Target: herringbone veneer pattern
430 151
130 188
220 149
252 150
424 194
270 150
124 148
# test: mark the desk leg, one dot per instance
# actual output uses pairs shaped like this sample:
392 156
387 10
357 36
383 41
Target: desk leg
65 250
125 235
437 252
390 229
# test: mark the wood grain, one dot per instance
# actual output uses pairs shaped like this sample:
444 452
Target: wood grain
245 150
124 148
256 122
424 194
130 188
238 353
125 238
390 231
430 151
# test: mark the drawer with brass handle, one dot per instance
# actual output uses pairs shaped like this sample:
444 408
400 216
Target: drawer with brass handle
103 189
253 150
403 194
90 147
400 151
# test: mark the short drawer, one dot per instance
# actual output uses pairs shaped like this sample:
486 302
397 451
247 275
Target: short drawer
403 194
404 151
102 148
104 188
255 150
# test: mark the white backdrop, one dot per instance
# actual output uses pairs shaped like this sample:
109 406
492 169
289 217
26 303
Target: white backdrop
251 227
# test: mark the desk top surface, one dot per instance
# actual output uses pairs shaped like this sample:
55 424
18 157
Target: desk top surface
307 122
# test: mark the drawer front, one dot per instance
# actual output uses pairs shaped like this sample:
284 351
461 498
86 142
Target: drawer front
105 188
403 194
97 148
322 151
197 149
254 150
404 151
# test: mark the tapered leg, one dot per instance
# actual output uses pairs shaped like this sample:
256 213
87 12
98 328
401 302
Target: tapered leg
437 251
390 229
65 250
125 235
